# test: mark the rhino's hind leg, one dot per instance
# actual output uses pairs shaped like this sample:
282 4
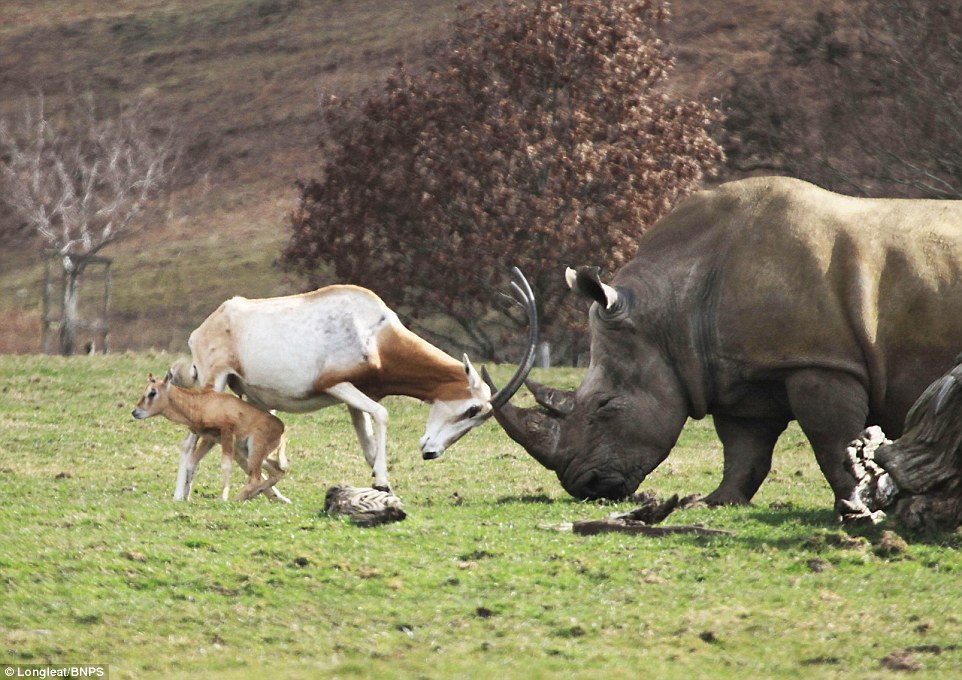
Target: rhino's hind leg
748 444
831 407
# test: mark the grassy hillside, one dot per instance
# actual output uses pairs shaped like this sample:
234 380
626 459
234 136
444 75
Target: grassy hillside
100 565
240 78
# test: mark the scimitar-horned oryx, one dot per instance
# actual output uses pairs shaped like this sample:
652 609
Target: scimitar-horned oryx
342 344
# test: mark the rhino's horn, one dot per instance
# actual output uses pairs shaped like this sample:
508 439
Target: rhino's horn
535 430
557 402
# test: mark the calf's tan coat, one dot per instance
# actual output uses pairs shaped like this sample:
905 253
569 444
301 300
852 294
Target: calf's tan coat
217 417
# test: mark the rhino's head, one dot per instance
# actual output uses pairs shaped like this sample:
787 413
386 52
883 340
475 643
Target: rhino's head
605 438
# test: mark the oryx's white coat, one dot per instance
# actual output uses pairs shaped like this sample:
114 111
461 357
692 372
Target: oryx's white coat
339 344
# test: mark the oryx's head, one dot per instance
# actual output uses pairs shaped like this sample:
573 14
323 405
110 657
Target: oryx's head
183 373
155 398
453 415
467 406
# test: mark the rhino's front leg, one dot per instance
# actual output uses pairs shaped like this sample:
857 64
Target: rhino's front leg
748 444
831 408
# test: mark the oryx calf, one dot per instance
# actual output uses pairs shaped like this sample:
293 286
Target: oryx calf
217 417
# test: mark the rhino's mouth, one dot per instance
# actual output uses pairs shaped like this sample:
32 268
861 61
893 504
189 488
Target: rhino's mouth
602 484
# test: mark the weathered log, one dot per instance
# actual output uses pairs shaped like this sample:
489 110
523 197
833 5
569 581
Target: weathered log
365 507
923 466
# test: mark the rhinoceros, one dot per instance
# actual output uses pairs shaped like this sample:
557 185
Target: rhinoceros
759 302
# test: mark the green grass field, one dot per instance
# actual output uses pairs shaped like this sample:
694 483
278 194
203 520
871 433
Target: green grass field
99 565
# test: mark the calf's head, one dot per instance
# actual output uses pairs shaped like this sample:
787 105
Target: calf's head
154 400
603 439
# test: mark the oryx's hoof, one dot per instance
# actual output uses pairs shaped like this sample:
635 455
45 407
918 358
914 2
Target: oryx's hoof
430 455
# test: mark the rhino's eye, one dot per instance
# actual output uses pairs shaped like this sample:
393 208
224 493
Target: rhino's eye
619 314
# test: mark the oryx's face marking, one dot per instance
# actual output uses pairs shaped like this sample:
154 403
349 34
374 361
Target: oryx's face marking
451 419
152 403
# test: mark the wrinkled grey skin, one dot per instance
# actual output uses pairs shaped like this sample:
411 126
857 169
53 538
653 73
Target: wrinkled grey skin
760 302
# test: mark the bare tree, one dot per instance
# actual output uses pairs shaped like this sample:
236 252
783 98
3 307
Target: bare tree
864 99
82 180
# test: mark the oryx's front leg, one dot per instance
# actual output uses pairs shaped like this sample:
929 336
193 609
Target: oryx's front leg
364 428
358 401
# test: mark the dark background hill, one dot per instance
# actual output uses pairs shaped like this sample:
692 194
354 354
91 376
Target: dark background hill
240 79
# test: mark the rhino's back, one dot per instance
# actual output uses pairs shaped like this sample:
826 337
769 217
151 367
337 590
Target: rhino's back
795 276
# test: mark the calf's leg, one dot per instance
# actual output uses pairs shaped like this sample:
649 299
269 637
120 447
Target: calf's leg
271 492
275 471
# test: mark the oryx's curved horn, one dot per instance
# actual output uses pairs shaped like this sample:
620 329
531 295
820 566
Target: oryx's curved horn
525 296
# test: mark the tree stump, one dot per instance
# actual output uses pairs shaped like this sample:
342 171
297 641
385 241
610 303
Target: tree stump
926 461
924 465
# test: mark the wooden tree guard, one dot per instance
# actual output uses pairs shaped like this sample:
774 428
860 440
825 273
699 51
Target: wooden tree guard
52 317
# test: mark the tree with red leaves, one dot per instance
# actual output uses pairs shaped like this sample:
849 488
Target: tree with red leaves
539 136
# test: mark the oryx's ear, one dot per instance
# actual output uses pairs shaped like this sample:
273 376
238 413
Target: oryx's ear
474 380
585 280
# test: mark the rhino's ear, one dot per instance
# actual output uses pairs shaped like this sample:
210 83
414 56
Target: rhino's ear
585 280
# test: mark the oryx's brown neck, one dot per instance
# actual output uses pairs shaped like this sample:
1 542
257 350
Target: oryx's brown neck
412 367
